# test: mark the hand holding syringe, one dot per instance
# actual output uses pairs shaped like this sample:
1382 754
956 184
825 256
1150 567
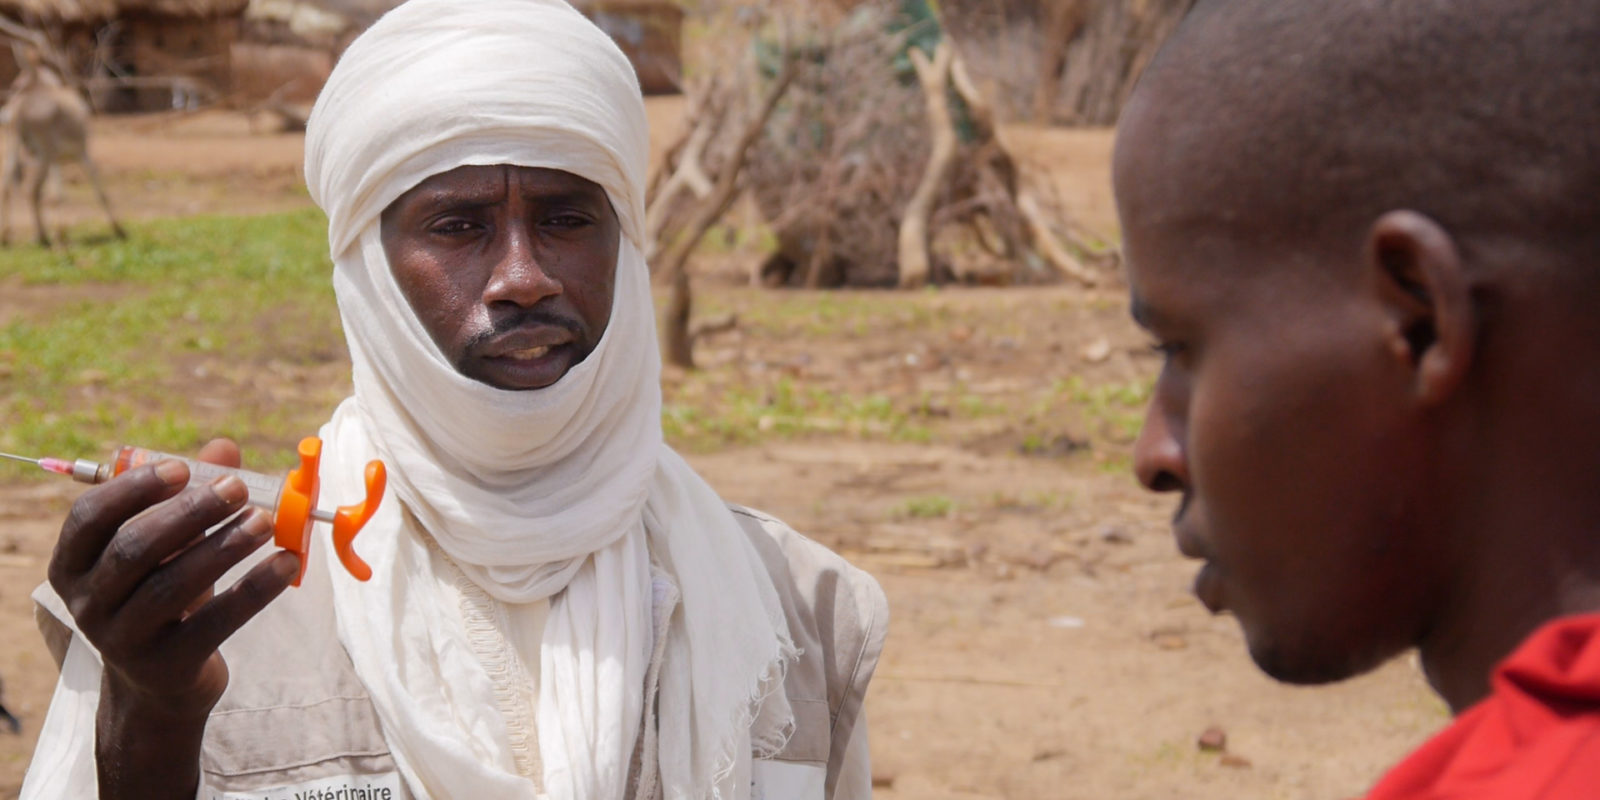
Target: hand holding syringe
290 500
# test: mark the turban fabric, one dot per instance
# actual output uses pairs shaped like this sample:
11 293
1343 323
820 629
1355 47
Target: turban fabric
565 495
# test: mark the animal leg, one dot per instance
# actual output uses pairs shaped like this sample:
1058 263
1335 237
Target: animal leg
8 181
36 178
11 172
100 192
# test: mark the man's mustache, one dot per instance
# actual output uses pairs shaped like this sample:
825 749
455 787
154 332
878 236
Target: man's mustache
524 319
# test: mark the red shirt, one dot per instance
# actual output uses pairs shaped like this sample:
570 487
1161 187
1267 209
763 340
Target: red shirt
1537 734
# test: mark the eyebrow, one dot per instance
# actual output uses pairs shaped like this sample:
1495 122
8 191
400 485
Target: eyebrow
454 197
478 197
578 197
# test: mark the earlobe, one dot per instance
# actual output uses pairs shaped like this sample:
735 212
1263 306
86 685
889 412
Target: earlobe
1425 290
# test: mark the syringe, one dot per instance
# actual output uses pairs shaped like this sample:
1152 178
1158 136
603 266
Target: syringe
291 500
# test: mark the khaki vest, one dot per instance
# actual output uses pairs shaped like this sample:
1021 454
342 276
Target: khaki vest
296 715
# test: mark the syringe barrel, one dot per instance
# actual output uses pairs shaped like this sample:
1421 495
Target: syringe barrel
264 489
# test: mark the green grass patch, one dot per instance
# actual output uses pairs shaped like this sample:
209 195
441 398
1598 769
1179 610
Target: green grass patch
1116 408
184 308
931 506
700 416
792 314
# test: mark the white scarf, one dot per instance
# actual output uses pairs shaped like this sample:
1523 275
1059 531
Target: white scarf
561 493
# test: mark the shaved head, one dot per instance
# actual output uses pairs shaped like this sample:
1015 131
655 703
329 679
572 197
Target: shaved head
1482 114
1365 237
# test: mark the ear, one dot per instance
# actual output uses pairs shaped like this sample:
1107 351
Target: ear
1422 285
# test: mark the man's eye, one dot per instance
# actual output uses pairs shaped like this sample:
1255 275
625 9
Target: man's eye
567 221
451 227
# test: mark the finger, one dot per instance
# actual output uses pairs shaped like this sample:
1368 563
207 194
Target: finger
220 451
183 585
144 543
205 630
98 514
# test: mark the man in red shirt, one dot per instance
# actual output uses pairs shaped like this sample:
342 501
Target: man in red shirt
1366 238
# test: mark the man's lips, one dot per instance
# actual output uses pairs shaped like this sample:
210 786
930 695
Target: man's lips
526 344
526 354
1208 588
1189 544
531 355
1208 583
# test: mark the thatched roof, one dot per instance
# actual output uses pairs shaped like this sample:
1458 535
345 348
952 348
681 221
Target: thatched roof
91 11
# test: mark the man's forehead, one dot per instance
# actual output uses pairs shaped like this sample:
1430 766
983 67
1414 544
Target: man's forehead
496 179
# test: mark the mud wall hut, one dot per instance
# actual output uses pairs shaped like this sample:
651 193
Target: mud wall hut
70 24
138 55
287 48
650 32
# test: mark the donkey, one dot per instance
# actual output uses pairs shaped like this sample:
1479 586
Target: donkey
47 125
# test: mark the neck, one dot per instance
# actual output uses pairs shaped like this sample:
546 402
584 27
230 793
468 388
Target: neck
1523 525
1458 659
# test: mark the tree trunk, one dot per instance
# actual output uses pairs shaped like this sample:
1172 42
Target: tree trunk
677 346
915 261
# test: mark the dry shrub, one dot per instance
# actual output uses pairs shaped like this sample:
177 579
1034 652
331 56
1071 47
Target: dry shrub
840 159
843 154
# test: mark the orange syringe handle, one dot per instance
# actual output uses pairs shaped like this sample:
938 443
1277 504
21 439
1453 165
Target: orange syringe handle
292 523
348 521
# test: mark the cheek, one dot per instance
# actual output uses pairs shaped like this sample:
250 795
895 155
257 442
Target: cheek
444 302
590 285
1290 462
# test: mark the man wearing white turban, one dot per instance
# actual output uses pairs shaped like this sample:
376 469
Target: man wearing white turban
559 606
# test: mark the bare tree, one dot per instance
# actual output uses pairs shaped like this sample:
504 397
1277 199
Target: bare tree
713 202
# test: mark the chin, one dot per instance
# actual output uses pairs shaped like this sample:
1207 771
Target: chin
1313 661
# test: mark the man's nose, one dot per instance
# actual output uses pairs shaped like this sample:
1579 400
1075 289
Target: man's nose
520 277
1158 455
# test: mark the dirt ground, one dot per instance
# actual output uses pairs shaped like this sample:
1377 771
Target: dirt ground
1044 643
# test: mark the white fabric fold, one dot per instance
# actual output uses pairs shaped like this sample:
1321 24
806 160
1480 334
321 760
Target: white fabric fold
563 493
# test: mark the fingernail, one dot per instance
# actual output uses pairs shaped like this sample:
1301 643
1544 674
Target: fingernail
287 568
172 472
230 489
255 524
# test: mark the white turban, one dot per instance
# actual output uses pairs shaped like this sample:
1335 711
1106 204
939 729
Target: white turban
566 493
